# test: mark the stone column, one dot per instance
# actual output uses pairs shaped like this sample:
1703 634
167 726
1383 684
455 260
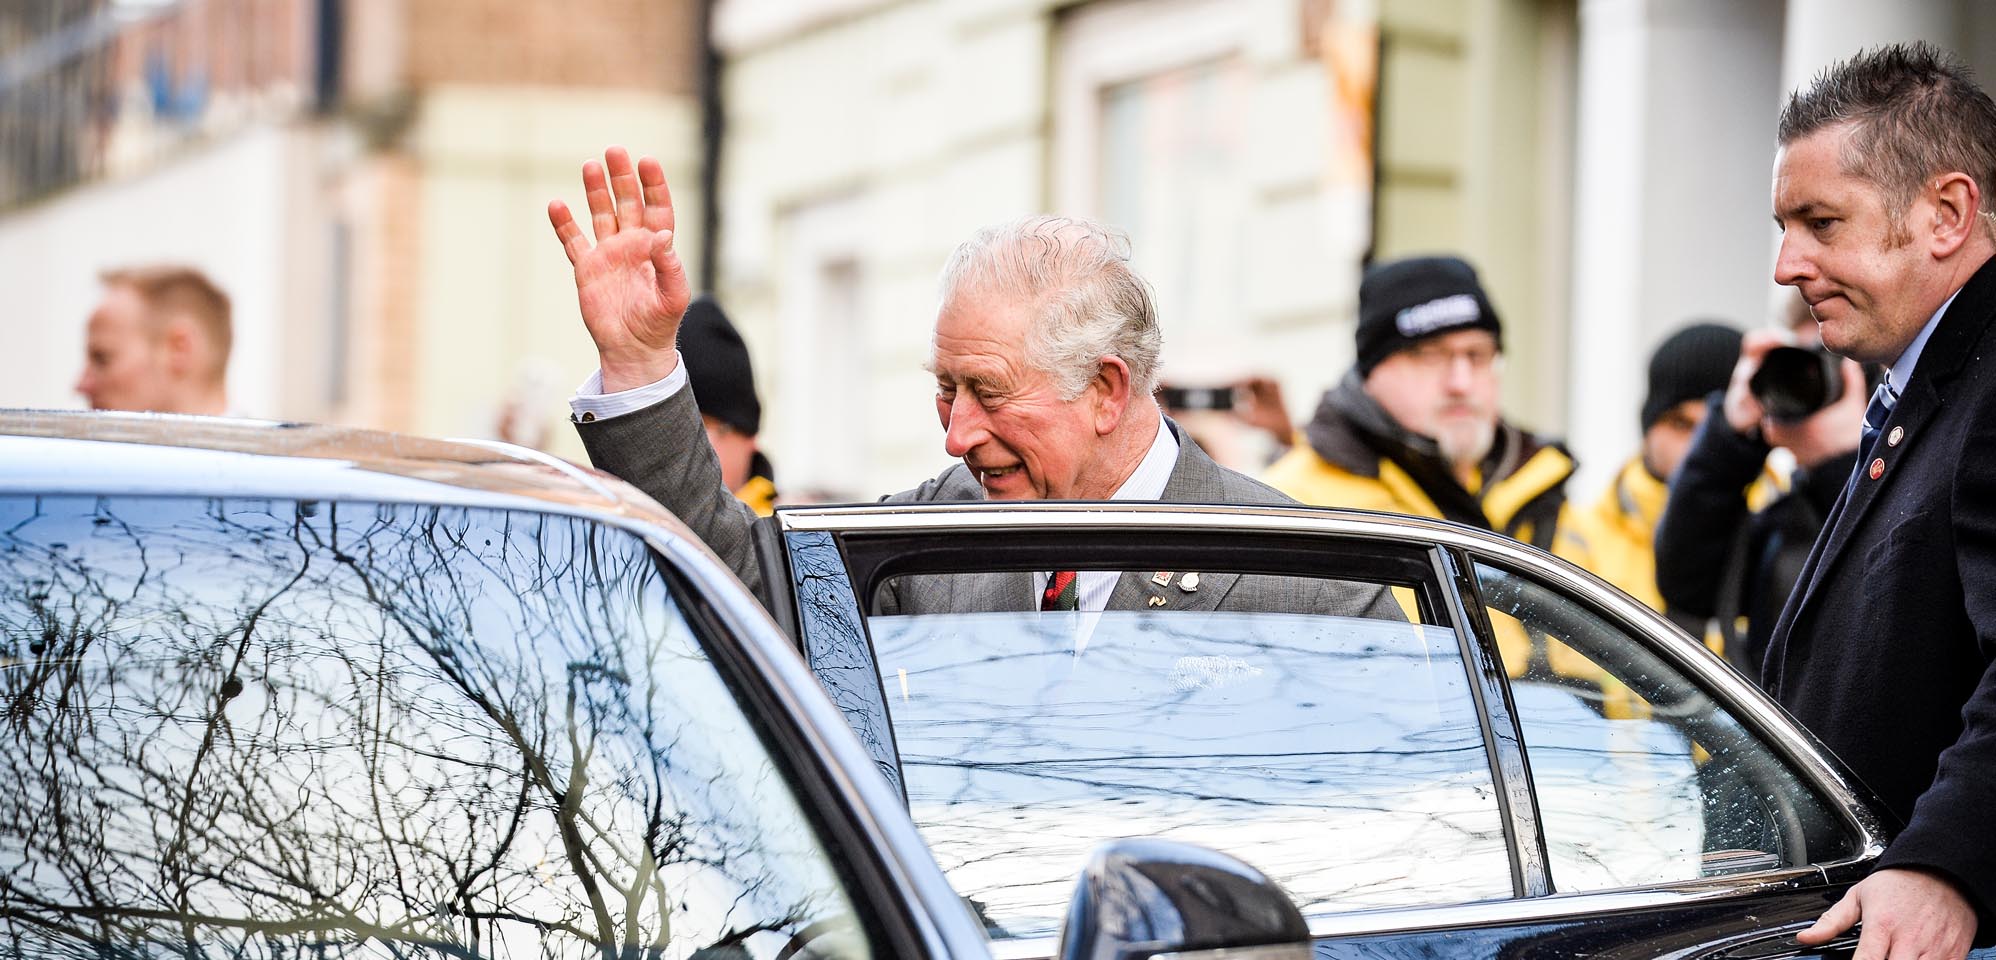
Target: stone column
1675 145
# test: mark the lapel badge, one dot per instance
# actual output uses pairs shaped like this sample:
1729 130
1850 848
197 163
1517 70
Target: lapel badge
1156 601
1892 439
1189 582
1877 468
1162 578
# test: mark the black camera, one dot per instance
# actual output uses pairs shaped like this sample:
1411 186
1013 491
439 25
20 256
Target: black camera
1794 382
1196 398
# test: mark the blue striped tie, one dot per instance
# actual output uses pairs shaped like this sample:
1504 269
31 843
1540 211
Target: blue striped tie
1883 400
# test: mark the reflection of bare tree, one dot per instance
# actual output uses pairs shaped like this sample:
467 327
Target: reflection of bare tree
839 653
1343 757
264 730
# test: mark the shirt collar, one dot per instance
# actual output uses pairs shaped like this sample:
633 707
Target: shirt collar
1148 480
1901 370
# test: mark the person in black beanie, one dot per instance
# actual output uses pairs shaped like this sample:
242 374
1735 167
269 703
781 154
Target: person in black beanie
723 384
1736 528
1614 536
1414 427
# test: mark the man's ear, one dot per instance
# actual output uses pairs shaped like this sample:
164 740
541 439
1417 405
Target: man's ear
180 347
1112 394
1957 202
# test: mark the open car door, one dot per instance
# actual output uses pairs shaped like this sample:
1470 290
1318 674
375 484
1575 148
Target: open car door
1421 730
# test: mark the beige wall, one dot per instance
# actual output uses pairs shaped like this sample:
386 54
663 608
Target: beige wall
468 256
224 209
877 141
1475 148
469 117
875 137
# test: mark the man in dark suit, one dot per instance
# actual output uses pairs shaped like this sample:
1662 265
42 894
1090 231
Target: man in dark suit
1885 649
1044 352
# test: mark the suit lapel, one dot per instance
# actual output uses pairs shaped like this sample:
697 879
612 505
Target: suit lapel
1195 477
1913 414
1139 590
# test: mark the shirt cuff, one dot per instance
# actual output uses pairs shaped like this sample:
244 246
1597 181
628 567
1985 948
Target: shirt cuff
591 404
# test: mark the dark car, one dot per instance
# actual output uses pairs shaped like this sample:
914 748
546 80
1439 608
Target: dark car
1522 761
276 692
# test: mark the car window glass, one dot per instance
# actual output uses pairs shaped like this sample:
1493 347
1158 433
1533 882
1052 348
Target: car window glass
1641 776
1340 754
267 730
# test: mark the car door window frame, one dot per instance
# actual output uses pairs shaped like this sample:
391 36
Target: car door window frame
1747 705
719 620
873 556
1455 551
1503 733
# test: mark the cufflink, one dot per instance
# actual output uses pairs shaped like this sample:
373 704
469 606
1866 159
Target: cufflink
588 416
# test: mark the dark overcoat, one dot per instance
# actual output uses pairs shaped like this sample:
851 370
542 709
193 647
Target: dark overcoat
1885 649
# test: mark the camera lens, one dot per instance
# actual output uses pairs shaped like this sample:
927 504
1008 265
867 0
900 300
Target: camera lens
1794 382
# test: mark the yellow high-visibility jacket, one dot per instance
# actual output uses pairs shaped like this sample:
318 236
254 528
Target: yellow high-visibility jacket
1351 454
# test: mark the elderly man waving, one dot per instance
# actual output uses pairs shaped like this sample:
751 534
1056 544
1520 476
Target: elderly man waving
1044 351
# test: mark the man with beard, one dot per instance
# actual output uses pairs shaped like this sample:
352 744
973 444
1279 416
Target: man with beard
1414 428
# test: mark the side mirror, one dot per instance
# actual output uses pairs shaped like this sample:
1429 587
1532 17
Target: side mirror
1141 898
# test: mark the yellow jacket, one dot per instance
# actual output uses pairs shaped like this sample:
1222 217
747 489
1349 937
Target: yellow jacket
1615 536
759 490
1351 454
1338 462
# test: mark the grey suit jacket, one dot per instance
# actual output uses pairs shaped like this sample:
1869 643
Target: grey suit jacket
663 451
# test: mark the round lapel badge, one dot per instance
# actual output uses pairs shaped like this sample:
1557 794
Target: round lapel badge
1892 439
1877 468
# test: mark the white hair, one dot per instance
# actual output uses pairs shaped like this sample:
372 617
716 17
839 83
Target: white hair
1075 276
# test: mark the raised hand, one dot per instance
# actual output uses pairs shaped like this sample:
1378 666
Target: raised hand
630 284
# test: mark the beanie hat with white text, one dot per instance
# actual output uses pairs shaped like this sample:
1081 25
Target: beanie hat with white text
1401 302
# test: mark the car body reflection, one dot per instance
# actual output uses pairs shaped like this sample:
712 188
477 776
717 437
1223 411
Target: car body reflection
256 728
1316 748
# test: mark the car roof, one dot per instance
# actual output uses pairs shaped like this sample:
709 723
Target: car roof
148 454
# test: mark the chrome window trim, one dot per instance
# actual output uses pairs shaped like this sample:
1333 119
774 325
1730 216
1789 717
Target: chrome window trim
1749 704
1503 733
1553 909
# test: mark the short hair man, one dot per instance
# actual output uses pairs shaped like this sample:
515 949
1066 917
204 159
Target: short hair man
1614 536
1044 351
1414 427
1881 192
723 383
158 341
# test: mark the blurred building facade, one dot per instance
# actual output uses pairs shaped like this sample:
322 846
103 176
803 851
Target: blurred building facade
1676 107
1605 163
367 178
1237 141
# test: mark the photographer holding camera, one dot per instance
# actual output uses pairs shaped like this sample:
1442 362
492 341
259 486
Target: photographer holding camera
1716 558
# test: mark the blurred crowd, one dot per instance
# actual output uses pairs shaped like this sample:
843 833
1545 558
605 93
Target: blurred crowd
1708 521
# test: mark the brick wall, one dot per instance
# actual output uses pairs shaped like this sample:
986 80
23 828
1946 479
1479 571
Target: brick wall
649 45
